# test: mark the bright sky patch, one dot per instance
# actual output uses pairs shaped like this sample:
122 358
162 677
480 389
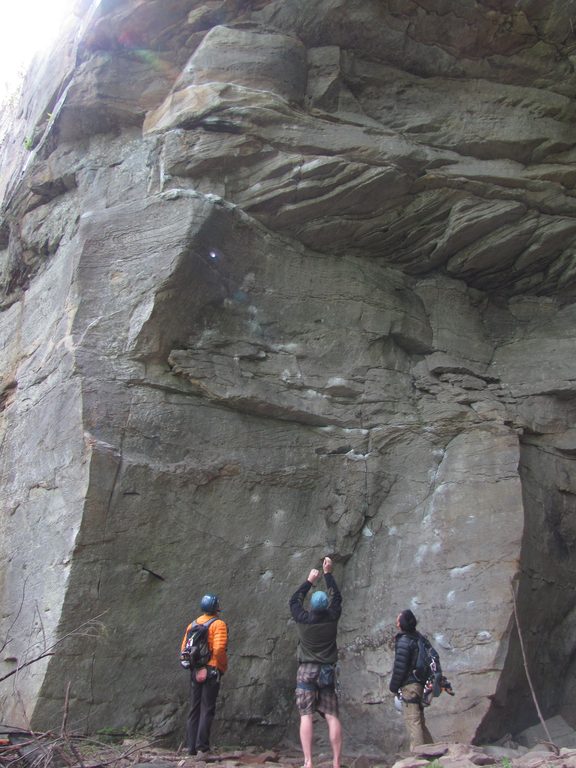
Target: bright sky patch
27 27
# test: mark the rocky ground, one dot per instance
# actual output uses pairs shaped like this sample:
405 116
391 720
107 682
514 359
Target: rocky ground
28 750
436 755
552 746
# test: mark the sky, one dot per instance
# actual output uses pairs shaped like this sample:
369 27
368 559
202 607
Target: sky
26 27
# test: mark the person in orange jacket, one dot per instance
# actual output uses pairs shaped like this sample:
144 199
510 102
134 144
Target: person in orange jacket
205 679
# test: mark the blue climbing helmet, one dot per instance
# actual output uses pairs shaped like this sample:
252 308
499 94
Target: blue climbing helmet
210 604
319 601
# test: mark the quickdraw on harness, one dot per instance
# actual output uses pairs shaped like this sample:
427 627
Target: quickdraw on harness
429 672
434 686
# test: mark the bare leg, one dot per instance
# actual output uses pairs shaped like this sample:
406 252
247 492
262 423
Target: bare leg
306 734
335 732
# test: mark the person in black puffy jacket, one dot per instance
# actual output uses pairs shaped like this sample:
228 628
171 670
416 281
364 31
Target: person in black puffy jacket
403 683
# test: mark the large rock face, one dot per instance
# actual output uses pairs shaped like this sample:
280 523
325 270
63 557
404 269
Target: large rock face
283 279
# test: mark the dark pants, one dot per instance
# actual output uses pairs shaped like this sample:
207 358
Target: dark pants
201 713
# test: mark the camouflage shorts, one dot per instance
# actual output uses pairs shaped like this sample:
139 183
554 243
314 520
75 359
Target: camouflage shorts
312 699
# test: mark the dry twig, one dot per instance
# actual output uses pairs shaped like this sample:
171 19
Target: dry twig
83 630
46 750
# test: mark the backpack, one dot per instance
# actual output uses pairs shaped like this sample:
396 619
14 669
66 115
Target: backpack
427 669
196 648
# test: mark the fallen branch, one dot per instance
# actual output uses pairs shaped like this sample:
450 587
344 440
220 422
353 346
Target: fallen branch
49 651
66 709
8 637
46 750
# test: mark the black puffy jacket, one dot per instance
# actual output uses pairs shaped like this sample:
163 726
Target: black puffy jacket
404 660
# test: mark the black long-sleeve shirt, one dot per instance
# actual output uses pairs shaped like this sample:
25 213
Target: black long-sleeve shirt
317 629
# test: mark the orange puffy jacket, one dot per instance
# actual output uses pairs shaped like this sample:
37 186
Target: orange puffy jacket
217 641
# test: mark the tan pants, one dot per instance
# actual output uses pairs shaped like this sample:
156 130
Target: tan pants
413 713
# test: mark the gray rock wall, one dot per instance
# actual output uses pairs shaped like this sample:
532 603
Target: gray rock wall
284 279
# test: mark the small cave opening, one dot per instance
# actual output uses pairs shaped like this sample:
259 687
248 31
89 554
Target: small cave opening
546 600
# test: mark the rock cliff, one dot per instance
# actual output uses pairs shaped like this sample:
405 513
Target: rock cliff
280 279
